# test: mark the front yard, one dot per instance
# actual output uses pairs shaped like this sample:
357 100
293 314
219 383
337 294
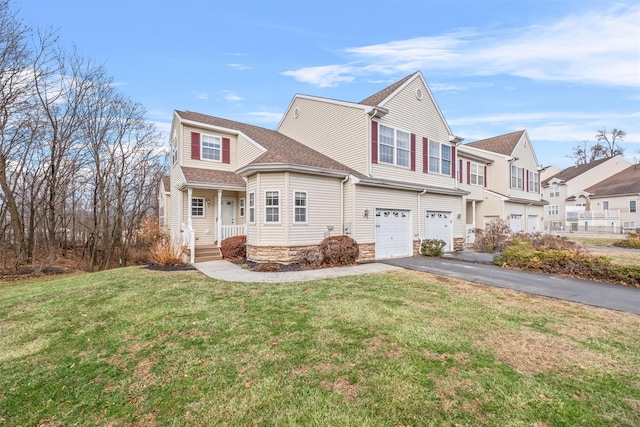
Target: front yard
138 347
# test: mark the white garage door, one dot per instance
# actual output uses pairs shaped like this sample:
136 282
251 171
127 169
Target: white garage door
437 227
515 223
532 225
393 233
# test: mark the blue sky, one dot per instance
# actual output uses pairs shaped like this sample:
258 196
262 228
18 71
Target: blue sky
562 69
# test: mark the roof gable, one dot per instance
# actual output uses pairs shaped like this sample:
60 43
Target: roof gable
573 171
279 148
378 97
502 144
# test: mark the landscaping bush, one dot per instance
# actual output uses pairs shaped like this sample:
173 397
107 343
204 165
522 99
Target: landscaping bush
268 267
632 241
166 252
432 247
234 248
339 250
493 238
555 255
310 258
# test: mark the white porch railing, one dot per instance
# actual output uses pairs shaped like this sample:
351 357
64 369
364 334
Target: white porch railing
189 240
231 231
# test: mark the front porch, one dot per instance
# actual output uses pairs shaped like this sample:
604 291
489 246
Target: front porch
210 215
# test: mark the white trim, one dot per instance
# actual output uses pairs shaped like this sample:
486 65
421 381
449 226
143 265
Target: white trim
251 207
202 135
440 145
306 207
230 131
204 207
242 205
394 146
279 206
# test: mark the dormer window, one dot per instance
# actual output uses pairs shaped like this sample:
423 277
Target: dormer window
211 147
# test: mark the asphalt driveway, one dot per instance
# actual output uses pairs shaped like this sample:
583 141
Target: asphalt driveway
478 270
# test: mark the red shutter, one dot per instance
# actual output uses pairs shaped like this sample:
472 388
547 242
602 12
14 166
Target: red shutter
195 145
374 142
485 176
413 151
527 186
425 155
460 171
226 150
453 162
468 172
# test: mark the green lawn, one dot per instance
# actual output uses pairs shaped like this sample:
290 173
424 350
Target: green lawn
143 348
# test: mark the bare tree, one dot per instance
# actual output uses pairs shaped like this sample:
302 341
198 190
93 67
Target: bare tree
579 153
609 140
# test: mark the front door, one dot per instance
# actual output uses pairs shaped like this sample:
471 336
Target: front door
228 212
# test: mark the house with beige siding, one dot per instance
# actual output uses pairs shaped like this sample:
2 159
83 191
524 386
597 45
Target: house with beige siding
568 191
503 178
382 170
164 203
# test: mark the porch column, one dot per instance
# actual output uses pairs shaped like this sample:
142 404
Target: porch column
473 213
189 210
219 218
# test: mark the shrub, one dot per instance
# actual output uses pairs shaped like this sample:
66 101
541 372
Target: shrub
632 241
556 255
234 248
149 231
310 258
339 250
493 238
432 247
166 252
268 267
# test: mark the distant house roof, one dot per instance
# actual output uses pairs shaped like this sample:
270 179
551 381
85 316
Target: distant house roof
378 97
573 171
502 144
625 182
280 148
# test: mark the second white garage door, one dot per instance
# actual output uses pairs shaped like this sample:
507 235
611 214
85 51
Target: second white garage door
393 233
437 227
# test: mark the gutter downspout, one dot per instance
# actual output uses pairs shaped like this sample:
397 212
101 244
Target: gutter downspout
420 238
346 178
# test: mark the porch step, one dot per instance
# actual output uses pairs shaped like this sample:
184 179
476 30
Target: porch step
208 253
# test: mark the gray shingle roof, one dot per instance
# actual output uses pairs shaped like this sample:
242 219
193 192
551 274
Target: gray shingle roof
626 181
210 176
502 144
166 183
378 97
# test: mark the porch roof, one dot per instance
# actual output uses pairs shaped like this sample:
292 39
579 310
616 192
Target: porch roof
197 177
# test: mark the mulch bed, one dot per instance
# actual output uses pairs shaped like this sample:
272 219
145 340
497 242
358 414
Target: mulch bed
180 267
268 266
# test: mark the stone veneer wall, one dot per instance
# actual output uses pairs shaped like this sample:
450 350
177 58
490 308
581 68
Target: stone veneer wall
458 244
367 252
275 253
416 248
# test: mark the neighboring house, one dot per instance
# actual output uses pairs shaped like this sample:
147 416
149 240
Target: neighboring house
503 177
164 203
382 171
619 193
569 199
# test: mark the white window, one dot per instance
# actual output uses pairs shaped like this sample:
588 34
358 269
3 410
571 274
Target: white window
394 147
632 206
555 191
439 158
197 206
477 174
517 177
242 207
211 147
174 150
553 210
629 224
300 207
605 206
272 207
534 182
252 208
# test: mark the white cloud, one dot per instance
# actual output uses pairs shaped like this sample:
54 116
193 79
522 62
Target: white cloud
232 97
266 117
202 95
239 66
597 47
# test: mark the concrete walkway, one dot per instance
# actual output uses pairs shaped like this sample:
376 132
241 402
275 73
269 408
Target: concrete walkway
230 272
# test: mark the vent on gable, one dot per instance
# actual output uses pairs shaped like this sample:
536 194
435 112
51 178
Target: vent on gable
296 112
419 93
